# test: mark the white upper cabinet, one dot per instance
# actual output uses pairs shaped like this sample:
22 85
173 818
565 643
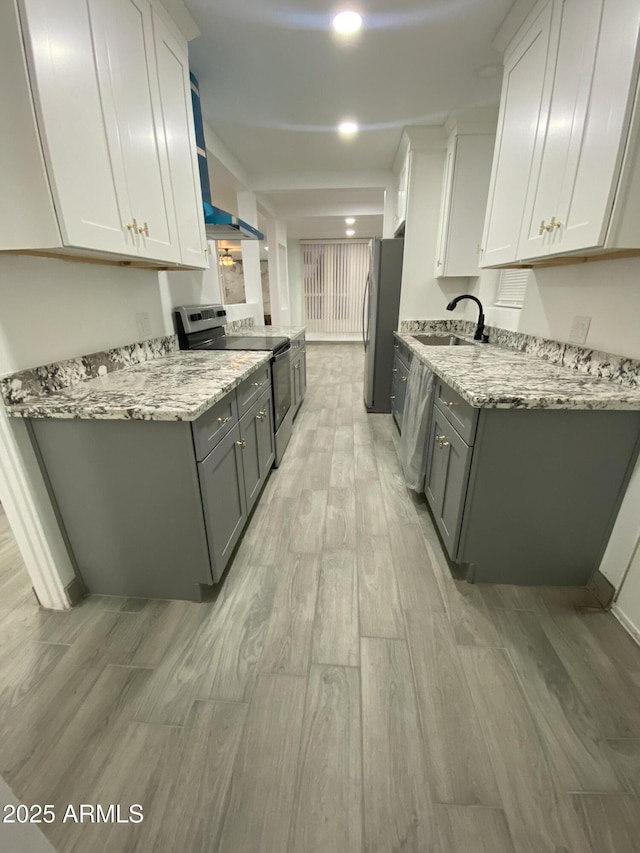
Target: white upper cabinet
464 194
570 183
92 76
402 197
177 112
523 111
123 38
88 186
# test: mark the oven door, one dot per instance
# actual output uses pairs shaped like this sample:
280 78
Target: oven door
281 371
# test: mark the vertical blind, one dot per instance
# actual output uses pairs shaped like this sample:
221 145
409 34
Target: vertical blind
334 276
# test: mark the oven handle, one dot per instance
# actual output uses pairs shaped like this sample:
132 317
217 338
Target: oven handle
285 353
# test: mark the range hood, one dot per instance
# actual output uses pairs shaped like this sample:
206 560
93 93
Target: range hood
219 224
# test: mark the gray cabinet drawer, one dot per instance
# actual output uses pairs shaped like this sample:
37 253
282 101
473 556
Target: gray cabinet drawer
212 427
252 388
457 411
403 352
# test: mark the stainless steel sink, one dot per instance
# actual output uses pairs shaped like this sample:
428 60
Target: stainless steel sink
441 340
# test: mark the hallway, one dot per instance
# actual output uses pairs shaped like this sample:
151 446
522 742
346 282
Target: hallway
343 692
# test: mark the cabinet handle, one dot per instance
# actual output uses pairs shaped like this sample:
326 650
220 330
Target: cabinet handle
261 415
133 225
143 229
241 443
403 379
394 370
296 367
396 346
443 444
223 421
449 405
440 437
392 397
554 223
439 263
544 227
257 384
479 249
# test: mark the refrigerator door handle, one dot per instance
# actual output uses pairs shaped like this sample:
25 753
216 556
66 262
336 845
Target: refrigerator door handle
365 313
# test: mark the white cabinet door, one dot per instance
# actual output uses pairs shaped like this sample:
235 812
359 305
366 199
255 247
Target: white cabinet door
558 145
465 188
402 197
131 101
523 114
87 181
596 151
177 114
445 208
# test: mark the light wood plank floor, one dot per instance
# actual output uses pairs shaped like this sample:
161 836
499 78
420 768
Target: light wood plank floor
342 694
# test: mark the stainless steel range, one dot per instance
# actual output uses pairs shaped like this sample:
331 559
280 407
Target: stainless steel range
202 327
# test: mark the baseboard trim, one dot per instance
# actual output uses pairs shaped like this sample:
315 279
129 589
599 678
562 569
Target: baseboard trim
626 623
603 589
75 591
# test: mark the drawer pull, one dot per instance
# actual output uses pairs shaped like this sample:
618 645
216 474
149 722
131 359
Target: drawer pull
257 384
443 444
440 437
296 367
449 405
241 443
261 415
396 346
403 379
223 421
394 370
392 397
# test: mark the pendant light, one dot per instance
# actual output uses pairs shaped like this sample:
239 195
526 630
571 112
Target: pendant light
226 259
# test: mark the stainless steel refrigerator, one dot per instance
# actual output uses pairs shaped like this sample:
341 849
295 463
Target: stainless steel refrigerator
380 311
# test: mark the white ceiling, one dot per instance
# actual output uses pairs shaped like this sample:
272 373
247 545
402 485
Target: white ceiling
274 83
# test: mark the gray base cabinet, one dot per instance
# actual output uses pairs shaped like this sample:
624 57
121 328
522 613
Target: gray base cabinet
447 478
222 475
527 496
399 377
155 509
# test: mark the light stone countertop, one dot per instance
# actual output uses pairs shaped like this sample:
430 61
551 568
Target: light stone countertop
271 332
180 386
489 376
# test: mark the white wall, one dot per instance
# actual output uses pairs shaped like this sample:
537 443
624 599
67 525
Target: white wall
296 283
424 296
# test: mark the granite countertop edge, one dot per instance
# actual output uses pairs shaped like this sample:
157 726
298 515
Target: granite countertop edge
60 405
605 394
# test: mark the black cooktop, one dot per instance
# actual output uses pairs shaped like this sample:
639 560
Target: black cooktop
239 343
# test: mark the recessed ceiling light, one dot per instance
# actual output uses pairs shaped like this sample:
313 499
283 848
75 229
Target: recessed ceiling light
349 232
346 22
347 128
350 220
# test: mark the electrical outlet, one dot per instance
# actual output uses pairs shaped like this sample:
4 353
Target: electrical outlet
579 330
144 324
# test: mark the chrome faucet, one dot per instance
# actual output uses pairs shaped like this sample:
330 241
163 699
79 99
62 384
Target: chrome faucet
479 333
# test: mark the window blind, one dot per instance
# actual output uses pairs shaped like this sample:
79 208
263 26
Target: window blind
512 287
334 277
